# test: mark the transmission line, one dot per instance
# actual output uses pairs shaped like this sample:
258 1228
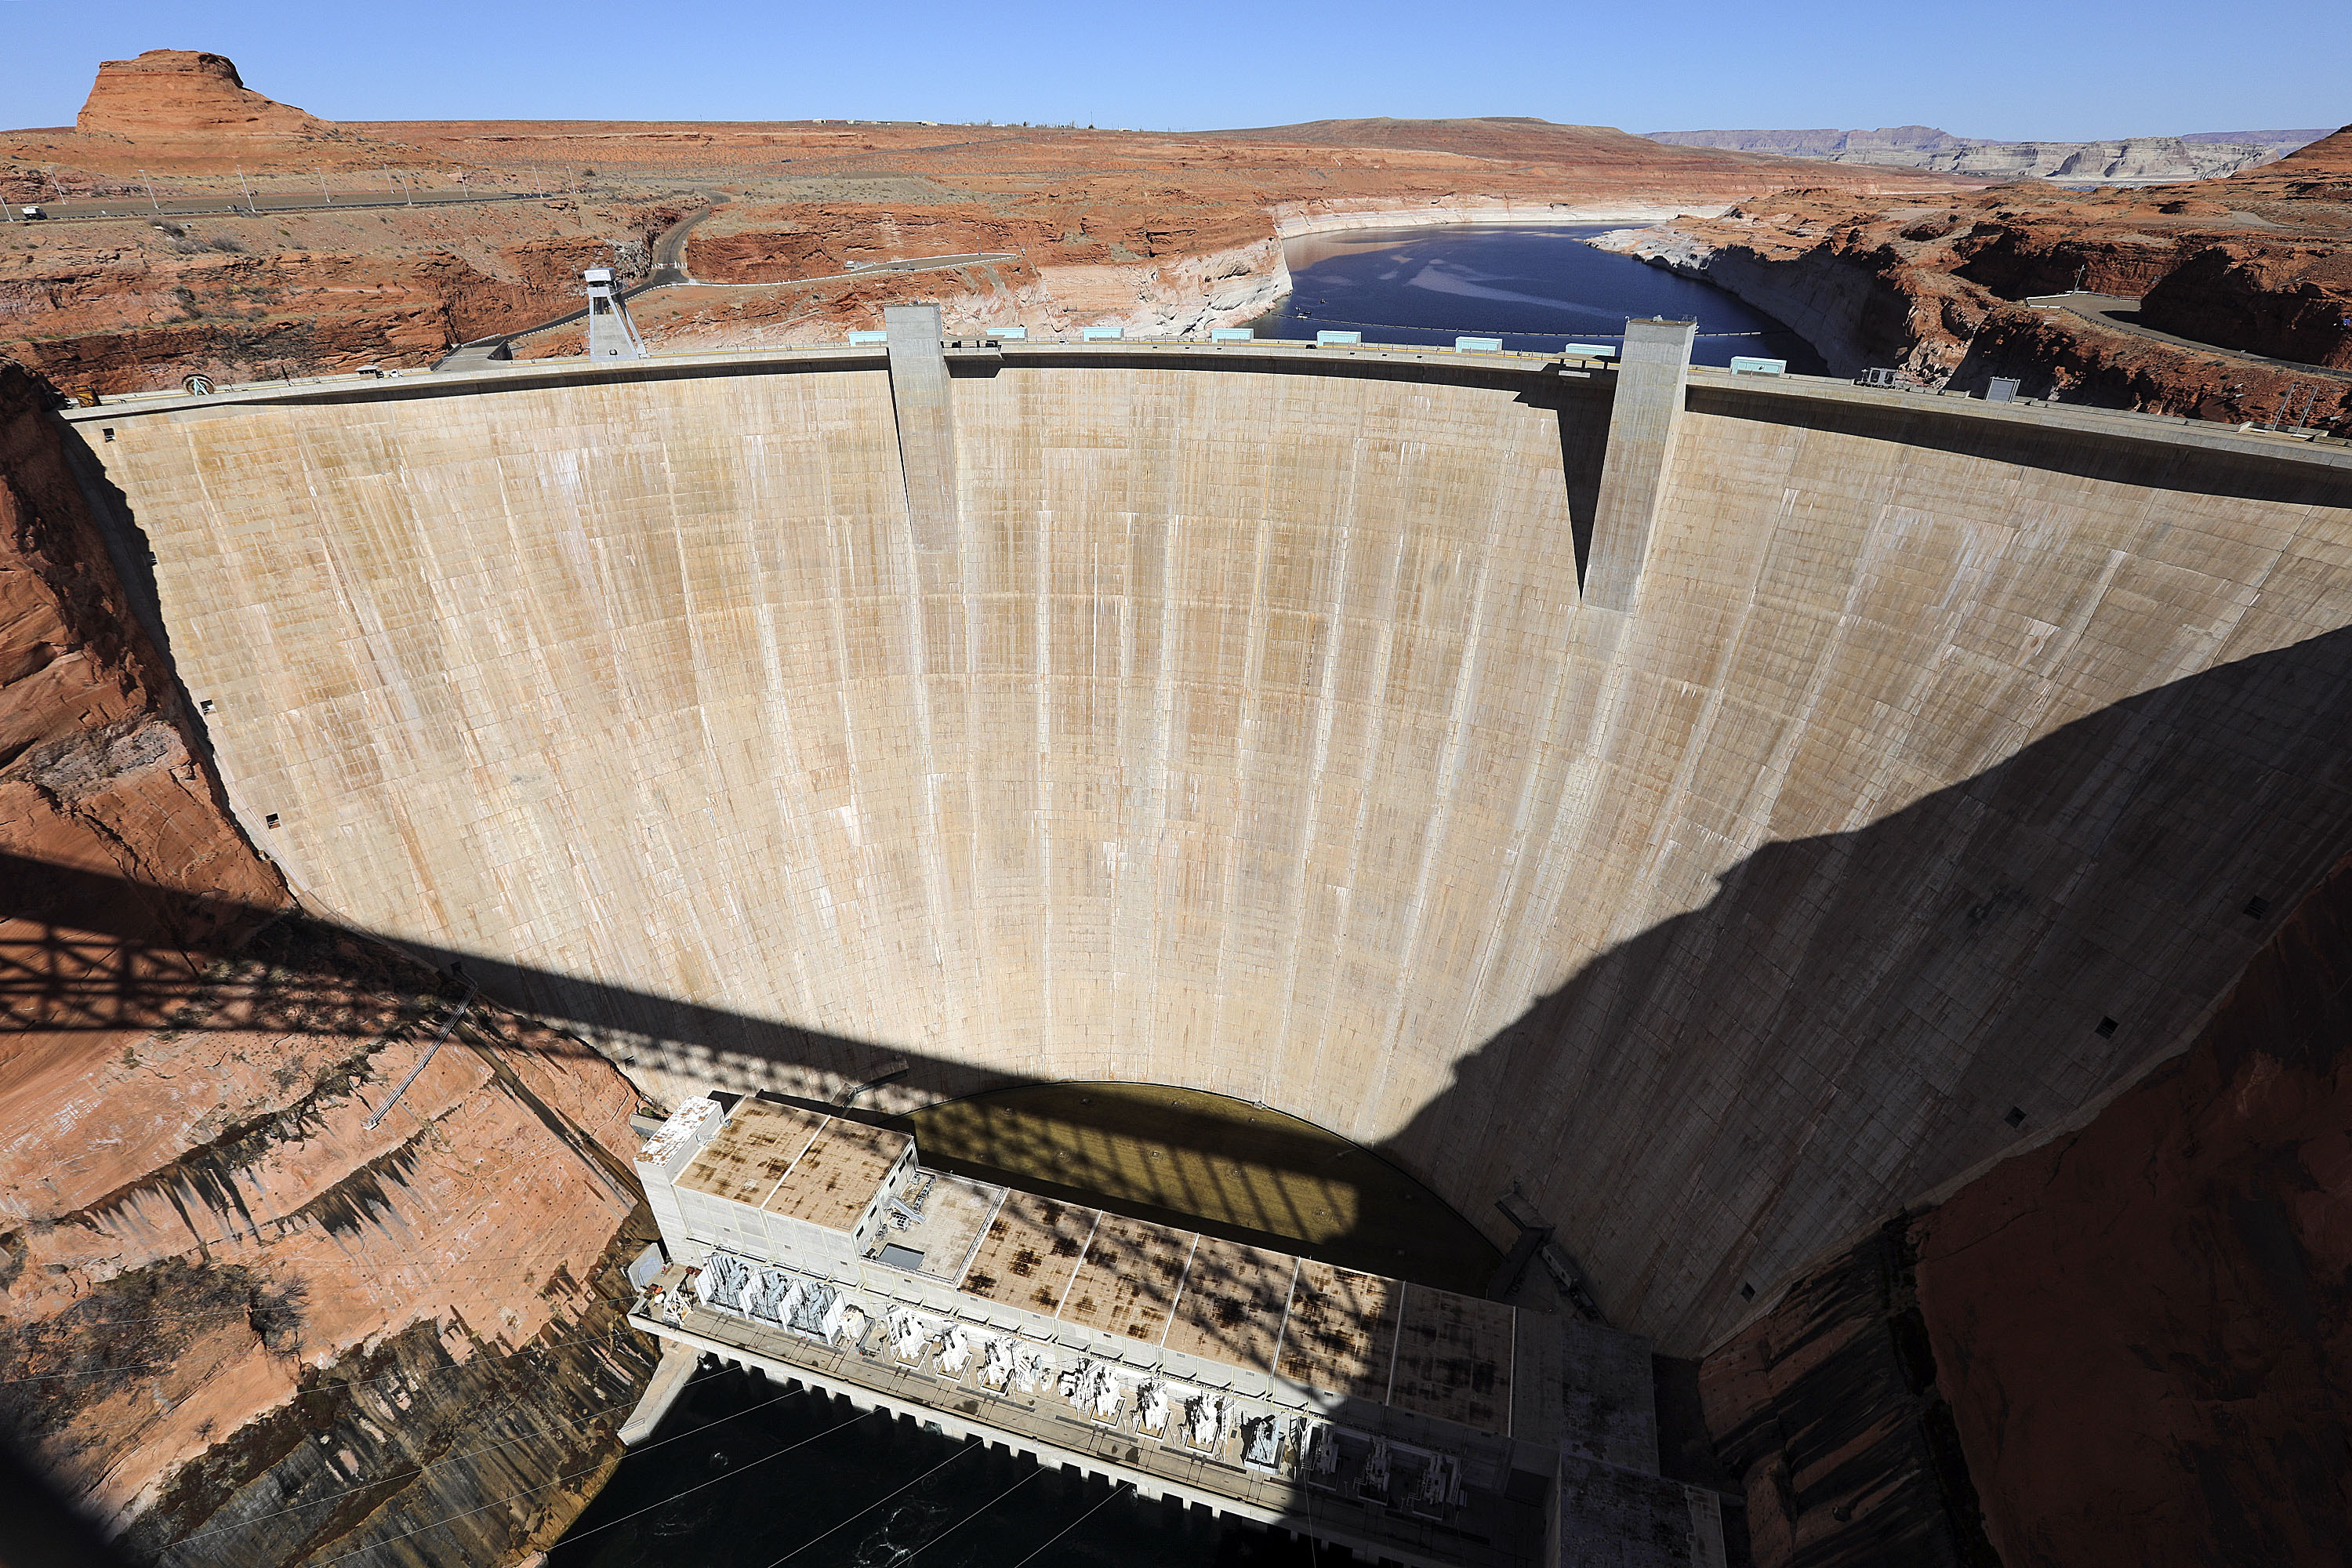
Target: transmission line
673 1497
972 1445
1074 1524
1034 1472
504 1442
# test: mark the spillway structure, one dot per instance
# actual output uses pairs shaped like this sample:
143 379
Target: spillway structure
1716 810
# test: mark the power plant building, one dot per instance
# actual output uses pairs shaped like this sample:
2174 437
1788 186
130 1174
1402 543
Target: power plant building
1411 1423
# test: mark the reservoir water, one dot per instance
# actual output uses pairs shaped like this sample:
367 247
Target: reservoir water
1534 286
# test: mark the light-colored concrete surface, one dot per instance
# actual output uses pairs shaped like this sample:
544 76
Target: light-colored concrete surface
1643 417
671 1375
1251 736
920 401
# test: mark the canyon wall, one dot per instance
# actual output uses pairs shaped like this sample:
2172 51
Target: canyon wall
1251 734
237 1316
2131 1344
1945 292
1053 267
2125 161
2291 303
100 314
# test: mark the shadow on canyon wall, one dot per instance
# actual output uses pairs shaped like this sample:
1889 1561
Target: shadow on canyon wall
1949 980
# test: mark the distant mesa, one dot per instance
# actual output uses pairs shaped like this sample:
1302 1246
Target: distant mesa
186 93
2135 159
2330 153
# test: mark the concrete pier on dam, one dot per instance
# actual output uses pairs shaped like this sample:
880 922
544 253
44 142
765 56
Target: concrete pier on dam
1722 808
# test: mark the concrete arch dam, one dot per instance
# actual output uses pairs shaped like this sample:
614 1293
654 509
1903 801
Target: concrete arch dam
1257 719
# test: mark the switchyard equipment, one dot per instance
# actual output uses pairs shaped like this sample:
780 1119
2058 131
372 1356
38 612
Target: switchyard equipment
1408 1422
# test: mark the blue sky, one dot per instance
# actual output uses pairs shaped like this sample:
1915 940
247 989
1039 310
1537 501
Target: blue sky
2000 69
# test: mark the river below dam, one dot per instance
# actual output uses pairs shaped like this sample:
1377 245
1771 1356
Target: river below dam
742 1474
1534 286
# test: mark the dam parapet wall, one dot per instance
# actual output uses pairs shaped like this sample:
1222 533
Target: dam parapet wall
1256 734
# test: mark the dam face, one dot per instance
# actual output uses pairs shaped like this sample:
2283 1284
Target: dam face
1243 726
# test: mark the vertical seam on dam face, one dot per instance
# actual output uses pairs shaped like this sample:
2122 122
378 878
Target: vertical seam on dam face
919 397
1643 420
922 407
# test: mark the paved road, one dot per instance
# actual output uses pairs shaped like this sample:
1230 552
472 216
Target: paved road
670 250
668 271
880 269
2115 310
118 209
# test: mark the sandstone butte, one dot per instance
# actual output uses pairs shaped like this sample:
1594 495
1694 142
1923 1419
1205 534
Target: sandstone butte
181 94
2257 264
216 1277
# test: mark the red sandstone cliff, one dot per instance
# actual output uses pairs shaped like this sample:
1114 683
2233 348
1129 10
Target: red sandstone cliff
2130 1345
186 93
123 313
2287 302
235 1315
2256 264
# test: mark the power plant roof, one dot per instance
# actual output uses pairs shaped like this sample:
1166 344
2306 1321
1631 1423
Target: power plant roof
1431 1352
833 1183
749 1156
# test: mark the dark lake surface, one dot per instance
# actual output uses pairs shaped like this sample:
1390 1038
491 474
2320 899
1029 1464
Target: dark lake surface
1534 288
744 1475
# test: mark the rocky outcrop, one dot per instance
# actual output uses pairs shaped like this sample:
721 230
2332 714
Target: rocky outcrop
1827 1409
183 93
1605 166
1163 270
97 771
773 244
239 1317
2135 159
2287 302
105 314
1945 292
2130 1345
1293 219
